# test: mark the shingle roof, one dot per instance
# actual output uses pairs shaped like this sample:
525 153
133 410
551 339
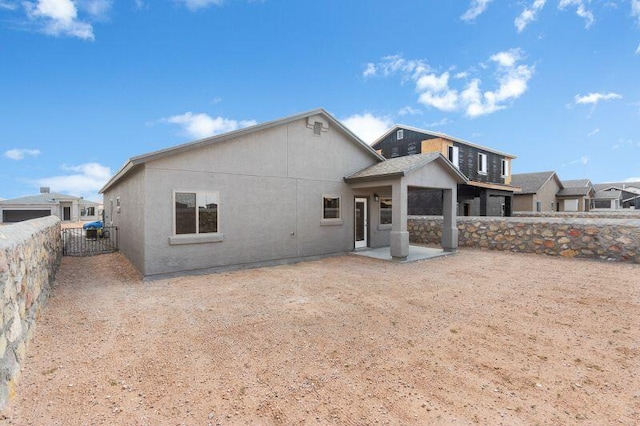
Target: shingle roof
532 182
49 198
439 135
574 191
576 183
400 166
608 195
601 186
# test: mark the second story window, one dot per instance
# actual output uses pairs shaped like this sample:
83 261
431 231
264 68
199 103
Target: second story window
504 167
482 163
400 134
454 157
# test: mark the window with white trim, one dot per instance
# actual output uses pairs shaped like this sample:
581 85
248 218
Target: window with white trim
482 163
454 155
504 167
400 134
330 207
195 212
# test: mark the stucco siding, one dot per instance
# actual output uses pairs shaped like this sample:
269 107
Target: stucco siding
270 186
131 219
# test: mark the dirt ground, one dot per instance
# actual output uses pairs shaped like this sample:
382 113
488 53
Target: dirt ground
479 337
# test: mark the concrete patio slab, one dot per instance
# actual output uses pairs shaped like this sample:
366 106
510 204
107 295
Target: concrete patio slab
415 253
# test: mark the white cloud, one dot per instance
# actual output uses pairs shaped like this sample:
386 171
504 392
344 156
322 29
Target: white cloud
19 154
638 50
439 123
96 8
593 133
434 90
529 14
83 180
632 179
409 111
476 8
367 126
581 10
370 70
635 11
584 160
59 17
7 5
594 98
201 4
202 125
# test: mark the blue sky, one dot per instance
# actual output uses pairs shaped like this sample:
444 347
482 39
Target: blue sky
86 84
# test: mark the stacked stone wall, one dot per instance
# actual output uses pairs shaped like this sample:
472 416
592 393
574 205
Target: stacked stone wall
613 214
605 239
30 254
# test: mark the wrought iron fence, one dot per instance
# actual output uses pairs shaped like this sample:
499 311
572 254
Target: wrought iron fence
86 242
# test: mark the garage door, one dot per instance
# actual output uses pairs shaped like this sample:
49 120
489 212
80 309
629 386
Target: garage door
570 205
20 215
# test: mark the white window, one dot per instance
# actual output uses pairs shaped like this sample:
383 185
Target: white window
454 157
385 211
400 134
504 167
538 206
330 207
195 212
482 163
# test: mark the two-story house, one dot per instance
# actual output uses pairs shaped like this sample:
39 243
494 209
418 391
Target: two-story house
487 193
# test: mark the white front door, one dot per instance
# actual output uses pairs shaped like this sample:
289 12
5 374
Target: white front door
361 222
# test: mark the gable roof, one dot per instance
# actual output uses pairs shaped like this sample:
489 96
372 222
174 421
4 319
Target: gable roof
532 182
618 185
402 166
48 198
608 195
439 135
167 152
576 183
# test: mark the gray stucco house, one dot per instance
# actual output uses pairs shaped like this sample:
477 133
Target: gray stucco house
287 190
67 207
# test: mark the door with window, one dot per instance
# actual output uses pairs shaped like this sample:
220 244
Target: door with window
361 223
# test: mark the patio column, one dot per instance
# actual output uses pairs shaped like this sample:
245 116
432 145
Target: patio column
399 234
449 226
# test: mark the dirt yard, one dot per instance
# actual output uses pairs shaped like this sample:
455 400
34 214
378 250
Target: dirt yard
479 337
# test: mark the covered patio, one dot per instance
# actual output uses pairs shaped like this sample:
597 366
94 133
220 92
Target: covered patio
394 177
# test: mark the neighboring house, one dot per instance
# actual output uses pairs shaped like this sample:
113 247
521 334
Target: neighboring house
607 199
629 191
488 191
67 207
278 192
538 191
575 196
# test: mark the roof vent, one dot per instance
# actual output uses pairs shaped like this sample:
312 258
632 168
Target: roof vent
45 190
317 128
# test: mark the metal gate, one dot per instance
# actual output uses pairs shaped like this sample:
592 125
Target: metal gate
86 242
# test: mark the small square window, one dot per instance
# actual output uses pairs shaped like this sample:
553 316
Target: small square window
330 207
196 213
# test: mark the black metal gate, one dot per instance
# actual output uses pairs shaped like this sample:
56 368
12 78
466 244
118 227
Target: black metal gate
86 242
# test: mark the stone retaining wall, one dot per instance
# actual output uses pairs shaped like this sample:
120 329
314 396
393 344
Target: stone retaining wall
613 214
605 239
30 254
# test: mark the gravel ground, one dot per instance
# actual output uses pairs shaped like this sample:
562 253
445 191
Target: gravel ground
479 337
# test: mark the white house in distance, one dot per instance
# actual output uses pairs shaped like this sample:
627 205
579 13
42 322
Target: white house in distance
67 207
278 192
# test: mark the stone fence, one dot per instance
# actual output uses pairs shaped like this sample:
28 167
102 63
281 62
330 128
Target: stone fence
597 214
30 254
605 239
